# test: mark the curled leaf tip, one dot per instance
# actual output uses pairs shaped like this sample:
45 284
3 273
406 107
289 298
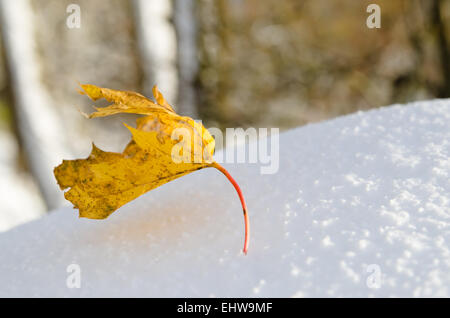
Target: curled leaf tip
83 113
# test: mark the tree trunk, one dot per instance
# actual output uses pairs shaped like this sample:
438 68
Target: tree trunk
186 27
42 136
157 44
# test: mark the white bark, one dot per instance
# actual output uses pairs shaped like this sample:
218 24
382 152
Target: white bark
40 129
19 196
184 20
157 41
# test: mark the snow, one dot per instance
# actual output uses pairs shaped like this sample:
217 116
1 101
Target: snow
359 207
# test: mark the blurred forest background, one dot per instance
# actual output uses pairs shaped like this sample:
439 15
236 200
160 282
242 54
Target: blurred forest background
232 63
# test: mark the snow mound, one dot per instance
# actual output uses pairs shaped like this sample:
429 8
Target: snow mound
359 207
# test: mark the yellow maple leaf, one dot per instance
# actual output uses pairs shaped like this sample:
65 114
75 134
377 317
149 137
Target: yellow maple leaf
164 147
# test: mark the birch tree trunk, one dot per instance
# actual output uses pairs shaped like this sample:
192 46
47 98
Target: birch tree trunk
42 136
157 44
186 28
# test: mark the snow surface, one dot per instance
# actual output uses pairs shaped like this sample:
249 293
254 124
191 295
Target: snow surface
366 189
